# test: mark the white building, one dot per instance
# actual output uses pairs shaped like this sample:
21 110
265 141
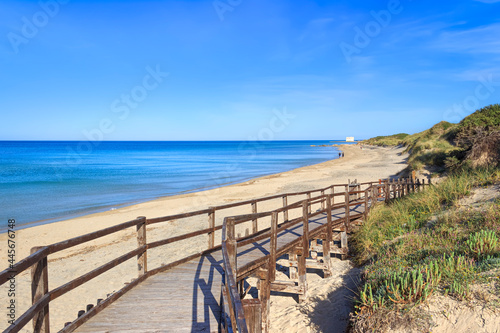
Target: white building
349 139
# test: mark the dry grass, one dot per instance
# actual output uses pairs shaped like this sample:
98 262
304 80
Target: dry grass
409 259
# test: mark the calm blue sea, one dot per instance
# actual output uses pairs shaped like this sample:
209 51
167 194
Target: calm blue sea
43 182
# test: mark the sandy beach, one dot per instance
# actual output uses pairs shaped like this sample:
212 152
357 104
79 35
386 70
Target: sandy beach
367 164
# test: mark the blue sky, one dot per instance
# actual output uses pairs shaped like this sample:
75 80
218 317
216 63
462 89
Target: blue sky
242 69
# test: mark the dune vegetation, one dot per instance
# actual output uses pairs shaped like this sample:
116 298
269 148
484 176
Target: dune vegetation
431 242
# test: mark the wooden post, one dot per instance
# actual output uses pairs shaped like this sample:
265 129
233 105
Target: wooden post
358 188
142 258
314 244
292 270
301 263
241 286
273 247
323 200
255 226
329 237
253 314
347 188
366 204
347 221
304 253
418 185
231 245
333 196
380 188
305 218
40 287
343 244
285 212
265 298
211 225
309 199
374 196
387 191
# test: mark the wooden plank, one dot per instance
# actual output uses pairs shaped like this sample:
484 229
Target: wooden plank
286 288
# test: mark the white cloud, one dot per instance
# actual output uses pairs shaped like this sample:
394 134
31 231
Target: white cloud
488 1
472 41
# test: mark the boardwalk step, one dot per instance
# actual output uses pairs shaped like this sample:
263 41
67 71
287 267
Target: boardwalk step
286 287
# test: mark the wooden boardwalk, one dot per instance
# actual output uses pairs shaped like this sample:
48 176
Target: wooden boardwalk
204 292
187 298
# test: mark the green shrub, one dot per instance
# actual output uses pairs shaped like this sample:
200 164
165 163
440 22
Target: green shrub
483 244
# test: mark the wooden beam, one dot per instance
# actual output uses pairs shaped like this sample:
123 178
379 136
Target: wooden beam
292 271
302 275
346 213
273 247
253 314
326 241
343 244
309 200
285 210
366 204
39 288
265 299
255 226
142 258
211 225
313 248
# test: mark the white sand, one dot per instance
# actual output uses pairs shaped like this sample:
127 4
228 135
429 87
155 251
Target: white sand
365 164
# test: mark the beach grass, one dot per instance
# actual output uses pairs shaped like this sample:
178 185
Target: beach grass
423 244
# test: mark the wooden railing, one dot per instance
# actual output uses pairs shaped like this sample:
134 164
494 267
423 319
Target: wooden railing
252 315
38 259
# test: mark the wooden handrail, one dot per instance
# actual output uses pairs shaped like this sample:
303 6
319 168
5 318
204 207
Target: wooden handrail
324 199
233 274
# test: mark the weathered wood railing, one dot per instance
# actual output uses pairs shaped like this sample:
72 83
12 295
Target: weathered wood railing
38 259
252 315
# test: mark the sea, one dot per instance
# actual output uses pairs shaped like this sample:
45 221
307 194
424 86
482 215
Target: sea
47 181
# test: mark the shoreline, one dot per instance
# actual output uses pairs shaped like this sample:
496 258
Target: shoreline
89 207
365 164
